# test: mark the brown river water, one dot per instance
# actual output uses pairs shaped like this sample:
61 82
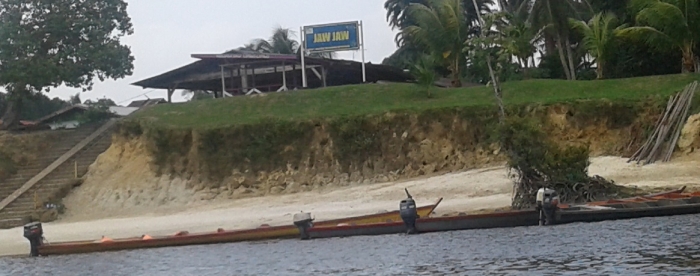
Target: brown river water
648 246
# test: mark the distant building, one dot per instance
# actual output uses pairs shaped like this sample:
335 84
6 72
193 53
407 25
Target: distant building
122 111
147 102
62 119
67 118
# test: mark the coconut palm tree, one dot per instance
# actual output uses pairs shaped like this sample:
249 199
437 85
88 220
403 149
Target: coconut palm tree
520 37
553 17
282 41
440 28
668 24
397 15
424 72
599 37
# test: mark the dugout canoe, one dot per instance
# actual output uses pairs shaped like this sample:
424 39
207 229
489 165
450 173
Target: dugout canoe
662 204
220 236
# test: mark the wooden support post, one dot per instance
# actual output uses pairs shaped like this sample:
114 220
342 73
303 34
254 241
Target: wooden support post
284 77
294 74
233 84
252 69
170 94
76 169
223 83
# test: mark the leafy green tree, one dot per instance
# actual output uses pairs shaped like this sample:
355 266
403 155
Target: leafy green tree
487 46
48 43
668 24
599 37
102 104
35 106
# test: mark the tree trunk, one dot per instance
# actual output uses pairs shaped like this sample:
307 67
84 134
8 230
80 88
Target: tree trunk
497 90
456 82
549 44
11 117
599 71
688 61
570 56
526 68
562 58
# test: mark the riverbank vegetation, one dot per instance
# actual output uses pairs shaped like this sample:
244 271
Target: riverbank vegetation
365 127
373 99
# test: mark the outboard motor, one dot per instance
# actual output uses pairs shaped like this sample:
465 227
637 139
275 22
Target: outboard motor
409 213
35 234
547 201
303 221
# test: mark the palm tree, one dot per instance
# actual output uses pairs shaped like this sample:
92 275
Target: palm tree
424 72
599 37
440 27
282 42
668 24
520 37
398 18
553 17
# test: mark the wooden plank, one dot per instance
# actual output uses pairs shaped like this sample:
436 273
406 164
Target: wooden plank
34 180
681 122
667 128
637 156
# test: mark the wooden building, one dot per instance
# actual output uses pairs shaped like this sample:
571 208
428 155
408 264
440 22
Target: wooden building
246 72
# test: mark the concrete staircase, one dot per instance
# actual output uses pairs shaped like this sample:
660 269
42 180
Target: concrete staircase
22 192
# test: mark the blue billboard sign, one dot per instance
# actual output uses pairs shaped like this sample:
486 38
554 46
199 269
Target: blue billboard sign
332 37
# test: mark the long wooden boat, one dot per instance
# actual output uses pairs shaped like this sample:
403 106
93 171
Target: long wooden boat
220 236
663 204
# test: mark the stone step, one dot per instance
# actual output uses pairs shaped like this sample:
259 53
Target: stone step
11 223
56 180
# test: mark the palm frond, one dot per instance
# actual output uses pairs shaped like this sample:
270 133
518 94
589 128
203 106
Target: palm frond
654 38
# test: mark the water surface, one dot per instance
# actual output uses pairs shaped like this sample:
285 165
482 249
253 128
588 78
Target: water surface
649 246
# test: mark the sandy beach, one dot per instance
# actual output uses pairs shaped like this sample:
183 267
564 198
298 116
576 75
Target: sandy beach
462 192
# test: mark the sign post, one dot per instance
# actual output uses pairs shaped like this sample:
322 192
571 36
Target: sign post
303 63
335 37
362 45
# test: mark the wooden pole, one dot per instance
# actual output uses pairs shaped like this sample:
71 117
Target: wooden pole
638 155
657 131
681 121
76 169
666 128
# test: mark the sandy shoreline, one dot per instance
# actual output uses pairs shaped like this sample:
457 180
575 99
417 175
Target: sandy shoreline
464 192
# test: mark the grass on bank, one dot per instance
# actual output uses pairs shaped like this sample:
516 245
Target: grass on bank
371 99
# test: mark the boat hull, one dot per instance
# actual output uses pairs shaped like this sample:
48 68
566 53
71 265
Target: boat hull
659 208
644 207
257 234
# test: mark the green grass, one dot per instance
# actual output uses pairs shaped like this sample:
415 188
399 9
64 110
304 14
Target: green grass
370 99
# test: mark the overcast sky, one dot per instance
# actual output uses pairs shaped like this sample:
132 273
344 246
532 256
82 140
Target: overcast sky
167 32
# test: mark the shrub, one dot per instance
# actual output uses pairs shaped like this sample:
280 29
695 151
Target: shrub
539 163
